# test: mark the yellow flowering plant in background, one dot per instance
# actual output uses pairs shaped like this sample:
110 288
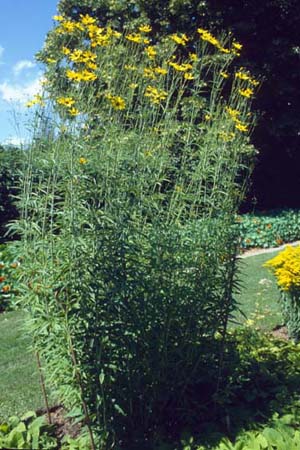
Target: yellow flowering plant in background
286 268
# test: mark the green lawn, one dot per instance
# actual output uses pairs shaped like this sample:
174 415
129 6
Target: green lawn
259 295
19 386
20 390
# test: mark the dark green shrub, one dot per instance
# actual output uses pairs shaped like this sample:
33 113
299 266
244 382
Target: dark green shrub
8 277
11 160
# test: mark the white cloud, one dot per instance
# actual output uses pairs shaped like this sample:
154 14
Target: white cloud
18 92
1 51
21 65
15 141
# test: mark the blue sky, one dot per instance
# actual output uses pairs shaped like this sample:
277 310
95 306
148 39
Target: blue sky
23 27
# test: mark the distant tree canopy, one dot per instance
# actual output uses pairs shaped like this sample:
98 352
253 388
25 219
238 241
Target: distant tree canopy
269 31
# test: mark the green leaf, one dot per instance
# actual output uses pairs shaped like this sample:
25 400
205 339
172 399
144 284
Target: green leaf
4 428
28 415
101 378
119 409
273 437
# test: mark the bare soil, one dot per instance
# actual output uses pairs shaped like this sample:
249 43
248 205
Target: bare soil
281 332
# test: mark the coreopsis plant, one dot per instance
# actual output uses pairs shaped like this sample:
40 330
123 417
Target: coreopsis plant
127 221
286 268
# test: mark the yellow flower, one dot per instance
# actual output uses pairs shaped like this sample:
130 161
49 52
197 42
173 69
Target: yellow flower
100 36
129 67
242 76
117 102
82 56
37 100
51 60
181 40
145 29
65 101
224 74
180 67
68 26
155 95
160 70
207 117
66 51
237 45
234 113
133 85
135 37
87 20
224 50
73 111
241 127
151 52
82 160
226 136
188 76
246 92
193 57
91 66
149 73
286 267
58 18
84 75
207 36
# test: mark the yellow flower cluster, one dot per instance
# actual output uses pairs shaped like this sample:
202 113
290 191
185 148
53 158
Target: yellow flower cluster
208 37
155 95
83 75
248 92
181 40
246 77
236 48
130 67
68 102
152 72
98 36
226 136
117 102
160 70
286 267
137 38
101 37
151 52
181 67
65 101
234 113
82 56
145 29
37 100
224 74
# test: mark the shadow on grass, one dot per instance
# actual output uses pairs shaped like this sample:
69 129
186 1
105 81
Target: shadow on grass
260 376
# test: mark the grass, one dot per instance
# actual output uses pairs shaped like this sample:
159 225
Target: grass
20 389
259 295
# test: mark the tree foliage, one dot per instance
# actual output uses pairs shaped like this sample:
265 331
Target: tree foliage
10 163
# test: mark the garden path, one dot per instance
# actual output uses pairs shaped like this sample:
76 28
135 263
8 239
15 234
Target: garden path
258 251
